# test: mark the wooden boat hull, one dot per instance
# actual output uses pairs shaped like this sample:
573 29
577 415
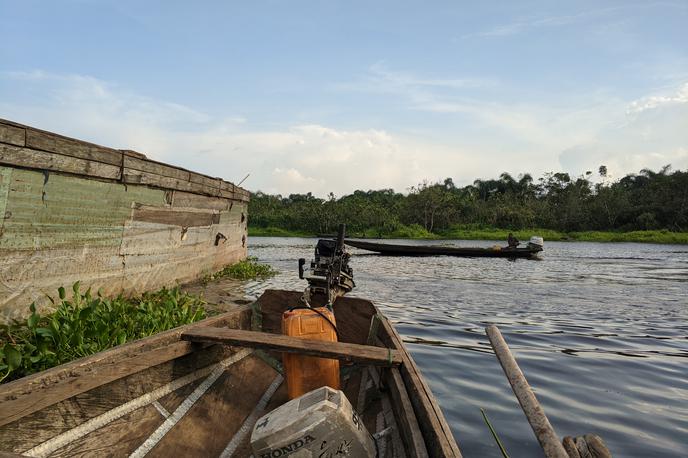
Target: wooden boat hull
389 249
180 393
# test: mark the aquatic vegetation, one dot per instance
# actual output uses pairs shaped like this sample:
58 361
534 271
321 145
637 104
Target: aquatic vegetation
656 236
247 269
476 232
414 231
276 232
494 434
87 324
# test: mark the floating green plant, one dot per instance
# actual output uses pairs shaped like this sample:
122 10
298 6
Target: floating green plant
247 269
87 324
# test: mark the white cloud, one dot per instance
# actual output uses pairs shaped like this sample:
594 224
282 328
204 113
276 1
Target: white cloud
291 159
652 132
574 133
299 158
657 101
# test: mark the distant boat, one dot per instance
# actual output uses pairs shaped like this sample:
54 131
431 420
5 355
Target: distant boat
533 247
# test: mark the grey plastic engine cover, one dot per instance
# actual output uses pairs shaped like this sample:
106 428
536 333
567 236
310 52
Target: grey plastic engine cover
319 424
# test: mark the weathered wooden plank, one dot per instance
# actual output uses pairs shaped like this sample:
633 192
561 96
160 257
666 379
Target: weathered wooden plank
30 394
404 414
184 199
233 216
228 402
173 400
51 210
10 455
5 180
280 397
132 153
145 239
25 157
12 135
54 143
140 177
57 228
205 181
228 195
74 419
157 168
143 272
363 354
31 278
55 232
181 218
438 436
236 195
119 438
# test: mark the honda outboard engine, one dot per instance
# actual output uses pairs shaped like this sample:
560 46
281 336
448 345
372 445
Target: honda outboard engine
321 423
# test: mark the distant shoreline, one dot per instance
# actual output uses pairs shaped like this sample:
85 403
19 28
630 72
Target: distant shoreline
654 236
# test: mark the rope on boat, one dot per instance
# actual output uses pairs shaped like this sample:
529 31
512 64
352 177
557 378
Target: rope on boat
51 445
186 405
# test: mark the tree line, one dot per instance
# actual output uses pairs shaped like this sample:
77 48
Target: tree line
644 201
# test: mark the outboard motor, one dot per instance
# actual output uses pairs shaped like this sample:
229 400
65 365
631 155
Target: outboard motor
330 274
536 243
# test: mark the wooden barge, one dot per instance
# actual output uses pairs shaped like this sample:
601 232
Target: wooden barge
198 390
113 219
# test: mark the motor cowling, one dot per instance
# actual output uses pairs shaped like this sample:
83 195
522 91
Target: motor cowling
536 241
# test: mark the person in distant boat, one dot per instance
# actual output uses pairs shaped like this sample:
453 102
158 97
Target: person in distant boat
512 241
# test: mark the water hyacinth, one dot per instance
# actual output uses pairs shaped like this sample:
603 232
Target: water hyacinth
247 269
86 324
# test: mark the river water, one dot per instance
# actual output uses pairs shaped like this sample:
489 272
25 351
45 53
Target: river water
600 331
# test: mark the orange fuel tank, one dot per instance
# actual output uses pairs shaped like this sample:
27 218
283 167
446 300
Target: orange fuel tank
306 373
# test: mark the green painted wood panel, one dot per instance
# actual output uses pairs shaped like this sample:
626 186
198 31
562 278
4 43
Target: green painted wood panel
5 177
46 210
58 229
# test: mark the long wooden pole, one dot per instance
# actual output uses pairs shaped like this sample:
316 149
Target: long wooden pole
542 428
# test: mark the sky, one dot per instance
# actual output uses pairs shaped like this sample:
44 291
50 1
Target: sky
334 96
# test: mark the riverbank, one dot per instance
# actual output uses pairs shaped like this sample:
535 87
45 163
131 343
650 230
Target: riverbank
465 233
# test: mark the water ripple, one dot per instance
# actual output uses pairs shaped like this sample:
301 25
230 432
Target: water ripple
600 330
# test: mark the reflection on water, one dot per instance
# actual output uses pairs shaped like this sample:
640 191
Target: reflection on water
600 330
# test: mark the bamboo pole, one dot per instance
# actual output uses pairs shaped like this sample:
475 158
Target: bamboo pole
542 428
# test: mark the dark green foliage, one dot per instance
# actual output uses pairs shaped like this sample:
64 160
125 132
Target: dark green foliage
248 269
557 201
87 324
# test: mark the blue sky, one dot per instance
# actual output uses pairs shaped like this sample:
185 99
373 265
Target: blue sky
336 96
